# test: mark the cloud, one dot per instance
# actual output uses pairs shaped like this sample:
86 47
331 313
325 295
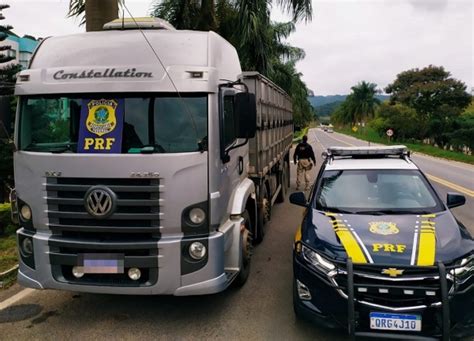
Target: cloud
429 5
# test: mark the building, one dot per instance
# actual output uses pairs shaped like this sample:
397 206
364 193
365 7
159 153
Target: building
22 48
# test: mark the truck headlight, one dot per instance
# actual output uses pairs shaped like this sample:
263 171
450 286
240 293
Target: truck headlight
25 212
464 271
197 216
317 260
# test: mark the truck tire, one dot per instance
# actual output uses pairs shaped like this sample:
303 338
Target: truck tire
284 184
263 213
246 251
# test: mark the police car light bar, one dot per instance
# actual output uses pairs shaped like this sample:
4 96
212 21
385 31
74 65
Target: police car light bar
369 151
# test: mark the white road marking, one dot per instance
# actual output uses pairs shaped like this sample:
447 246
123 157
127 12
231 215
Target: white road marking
15 298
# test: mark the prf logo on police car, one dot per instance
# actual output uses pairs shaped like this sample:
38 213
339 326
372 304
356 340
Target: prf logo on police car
101 126
383 228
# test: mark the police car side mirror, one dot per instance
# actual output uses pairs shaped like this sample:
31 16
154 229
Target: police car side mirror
455 200
298 198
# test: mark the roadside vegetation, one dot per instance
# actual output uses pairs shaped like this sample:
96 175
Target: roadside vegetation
428 110
369 134
8 254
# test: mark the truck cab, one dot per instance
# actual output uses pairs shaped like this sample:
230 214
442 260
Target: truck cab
132 163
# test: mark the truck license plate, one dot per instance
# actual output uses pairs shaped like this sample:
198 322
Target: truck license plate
101 263
389 321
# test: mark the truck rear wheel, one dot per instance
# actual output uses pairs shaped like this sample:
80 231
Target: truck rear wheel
263 213
246 250
284 184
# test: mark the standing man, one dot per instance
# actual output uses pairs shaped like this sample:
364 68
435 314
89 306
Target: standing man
304 154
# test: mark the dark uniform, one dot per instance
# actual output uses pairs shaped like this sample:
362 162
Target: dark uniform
304 154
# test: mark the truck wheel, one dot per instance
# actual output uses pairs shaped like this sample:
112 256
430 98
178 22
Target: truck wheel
263 214
246 250
284 183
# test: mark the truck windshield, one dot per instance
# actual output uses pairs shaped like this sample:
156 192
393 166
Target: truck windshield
376 192
148 123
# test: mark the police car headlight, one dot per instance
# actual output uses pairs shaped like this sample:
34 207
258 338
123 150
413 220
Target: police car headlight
317 260
464 271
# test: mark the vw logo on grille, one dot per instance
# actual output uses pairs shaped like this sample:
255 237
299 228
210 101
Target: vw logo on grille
100 202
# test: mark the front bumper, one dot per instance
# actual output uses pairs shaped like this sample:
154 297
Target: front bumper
330 305
161 262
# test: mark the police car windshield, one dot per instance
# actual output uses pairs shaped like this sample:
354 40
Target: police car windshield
376 192
113 123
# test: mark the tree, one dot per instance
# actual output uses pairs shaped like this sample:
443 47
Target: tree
362 101
434 94
400 118
359 105
244 23
7 72
94 13
259 42
7 82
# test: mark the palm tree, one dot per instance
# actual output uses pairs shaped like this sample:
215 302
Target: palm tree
362 101
260 43
95 13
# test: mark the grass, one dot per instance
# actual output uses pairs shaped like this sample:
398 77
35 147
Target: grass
8 254
298 135
372 136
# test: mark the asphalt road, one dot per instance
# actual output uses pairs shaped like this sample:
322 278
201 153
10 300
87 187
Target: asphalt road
261 310
446 176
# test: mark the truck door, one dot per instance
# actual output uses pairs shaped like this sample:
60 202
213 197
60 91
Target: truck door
233 161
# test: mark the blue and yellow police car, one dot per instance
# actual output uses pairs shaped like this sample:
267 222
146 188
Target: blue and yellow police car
379 253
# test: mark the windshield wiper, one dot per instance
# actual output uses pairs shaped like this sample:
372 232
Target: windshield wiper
391 211
50 149
335 210
152 148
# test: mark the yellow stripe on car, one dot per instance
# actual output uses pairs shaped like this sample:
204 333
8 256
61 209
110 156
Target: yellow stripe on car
351 246
347 239
298 234
427 242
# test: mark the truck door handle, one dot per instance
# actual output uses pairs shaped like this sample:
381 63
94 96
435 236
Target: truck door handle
241 165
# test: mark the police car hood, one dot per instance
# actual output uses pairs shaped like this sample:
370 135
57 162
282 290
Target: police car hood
402 239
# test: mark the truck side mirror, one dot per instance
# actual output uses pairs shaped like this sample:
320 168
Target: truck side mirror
245 108
6 129
455 200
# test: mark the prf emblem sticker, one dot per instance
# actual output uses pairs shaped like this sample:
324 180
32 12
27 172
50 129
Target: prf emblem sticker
101 119
383 228
101 126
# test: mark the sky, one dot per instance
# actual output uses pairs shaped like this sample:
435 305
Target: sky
346 42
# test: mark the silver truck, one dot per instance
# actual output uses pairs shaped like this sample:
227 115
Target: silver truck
146 162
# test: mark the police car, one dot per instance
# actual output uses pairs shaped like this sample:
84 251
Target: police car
379 253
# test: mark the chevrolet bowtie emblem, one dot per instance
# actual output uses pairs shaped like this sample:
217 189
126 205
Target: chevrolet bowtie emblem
392 272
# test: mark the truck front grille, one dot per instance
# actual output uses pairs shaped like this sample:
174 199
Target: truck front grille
137 211
132 230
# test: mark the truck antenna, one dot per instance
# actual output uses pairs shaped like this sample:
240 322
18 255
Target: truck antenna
167 74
